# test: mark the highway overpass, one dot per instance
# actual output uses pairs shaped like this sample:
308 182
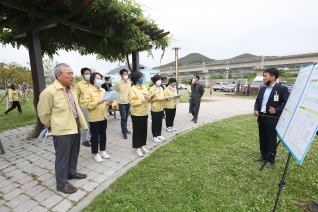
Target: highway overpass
244 65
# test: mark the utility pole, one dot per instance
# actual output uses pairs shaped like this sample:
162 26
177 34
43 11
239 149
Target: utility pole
176 55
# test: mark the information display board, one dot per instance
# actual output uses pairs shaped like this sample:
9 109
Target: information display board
298 123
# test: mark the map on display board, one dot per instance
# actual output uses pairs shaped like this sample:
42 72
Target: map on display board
298 122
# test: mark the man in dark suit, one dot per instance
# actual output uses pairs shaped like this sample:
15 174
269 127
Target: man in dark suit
106 85
268 107
197 91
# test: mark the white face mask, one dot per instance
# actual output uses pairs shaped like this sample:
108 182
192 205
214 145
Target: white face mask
193 80
126 77
158 82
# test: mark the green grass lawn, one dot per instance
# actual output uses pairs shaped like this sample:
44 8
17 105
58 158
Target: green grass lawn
211 169
15 119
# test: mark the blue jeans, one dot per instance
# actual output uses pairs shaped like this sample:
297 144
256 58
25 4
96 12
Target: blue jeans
124 113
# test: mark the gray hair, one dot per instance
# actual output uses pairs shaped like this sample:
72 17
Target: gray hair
58 69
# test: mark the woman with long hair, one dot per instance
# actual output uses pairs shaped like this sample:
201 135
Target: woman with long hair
138 98
13 99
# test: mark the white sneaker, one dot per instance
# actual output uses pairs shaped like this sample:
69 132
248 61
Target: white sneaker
97 158
172 128
139 153
103 154
169 129
190 114
161 137
145 150
155 139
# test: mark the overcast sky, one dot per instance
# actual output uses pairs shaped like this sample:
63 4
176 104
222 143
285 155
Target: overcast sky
218 29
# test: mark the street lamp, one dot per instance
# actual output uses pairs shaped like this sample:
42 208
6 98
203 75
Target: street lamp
176 54
227 70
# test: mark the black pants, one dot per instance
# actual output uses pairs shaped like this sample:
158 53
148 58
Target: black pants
140 127
170 114
14 105
156 123
98 129
267 138
195 107
66 151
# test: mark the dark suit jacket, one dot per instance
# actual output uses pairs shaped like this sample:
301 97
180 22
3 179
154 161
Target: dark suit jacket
106 86
196 93
283 93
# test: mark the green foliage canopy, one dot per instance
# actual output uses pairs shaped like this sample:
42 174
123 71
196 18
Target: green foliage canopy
117 27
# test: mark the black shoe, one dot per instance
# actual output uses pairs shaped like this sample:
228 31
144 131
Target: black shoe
125 135
67 189
77 176
268 165
192 119
195 121
128 132
259 159
111 114
86 143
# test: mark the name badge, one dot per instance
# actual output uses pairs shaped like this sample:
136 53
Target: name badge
276 97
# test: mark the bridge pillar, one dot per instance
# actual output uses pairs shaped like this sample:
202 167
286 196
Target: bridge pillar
207 81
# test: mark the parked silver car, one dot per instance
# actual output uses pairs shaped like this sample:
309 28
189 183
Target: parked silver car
229 88
218 86
182 86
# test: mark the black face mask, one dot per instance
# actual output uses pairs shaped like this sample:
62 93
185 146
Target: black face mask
268 83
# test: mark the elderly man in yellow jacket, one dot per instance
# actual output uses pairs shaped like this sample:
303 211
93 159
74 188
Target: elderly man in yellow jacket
58 109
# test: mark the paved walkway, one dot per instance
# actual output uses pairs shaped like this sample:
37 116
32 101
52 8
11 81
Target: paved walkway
27 181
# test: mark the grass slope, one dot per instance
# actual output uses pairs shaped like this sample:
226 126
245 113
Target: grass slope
211 169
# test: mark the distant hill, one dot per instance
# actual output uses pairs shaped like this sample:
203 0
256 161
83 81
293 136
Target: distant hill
243 56
190 59
196 59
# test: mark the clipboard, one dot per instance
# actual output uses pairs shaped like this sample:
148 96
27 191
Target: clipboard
168 97
158 89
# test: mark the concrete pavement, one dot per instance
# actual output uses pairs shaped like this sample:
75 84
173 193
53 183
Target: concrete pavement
27 181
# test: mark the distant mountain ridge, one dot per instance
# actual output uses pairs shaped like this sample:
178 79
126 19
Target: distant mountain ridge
197 58
192 58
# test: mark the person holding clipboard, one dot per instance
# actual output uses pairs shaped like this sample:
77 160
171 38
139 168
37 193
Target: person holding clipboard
170 104
97 116
156 103
138 98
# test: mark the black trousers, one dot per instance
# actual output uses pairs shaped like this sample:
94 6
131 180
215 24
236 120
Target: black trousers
170 115
98 129
194 108
267 138
14 105
156 124
66 151
140 127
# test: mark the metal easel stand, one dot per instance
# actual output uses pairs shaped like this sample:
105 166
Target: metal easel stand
1 149
282 181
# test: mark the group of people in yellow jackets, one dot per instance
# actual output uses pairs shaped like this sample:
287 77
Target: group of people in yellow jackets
137 97
160 100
